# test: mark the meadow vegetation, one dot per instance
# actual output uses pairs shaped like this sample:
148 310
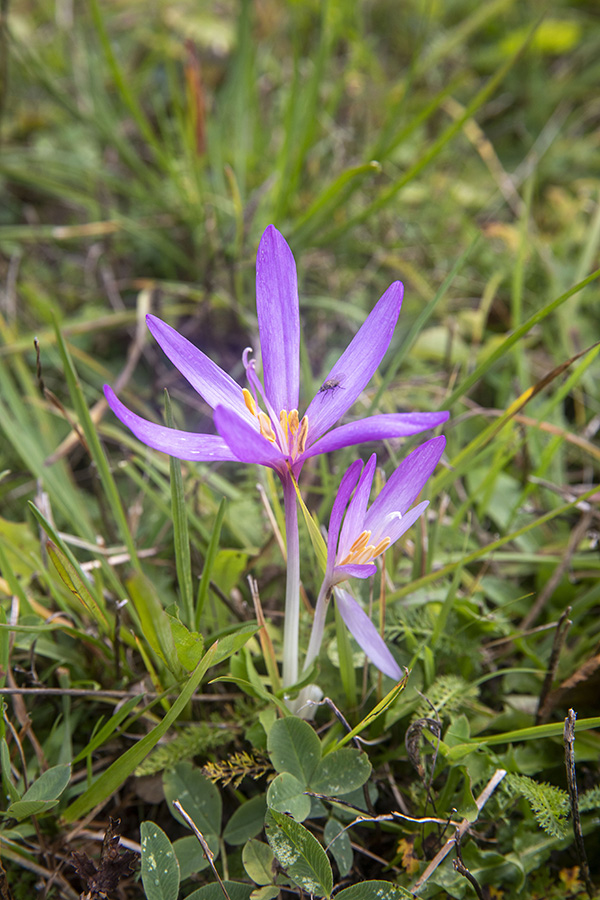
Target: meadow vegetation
145 147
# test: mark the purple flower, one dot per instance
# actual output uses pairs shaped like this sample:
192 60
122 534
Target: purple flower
261 424
354 544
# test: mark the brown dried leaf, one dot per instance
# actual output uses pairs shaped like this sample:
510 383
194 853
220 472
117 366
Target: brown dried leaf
114 865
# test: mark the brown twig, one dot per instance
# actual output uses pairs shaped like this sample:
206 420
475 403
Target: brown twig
564 623
569 741
110 695
462 869
206 849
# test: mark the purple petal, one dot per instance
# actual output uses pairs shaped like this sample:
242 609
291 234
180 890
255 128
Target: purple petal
354 369
216 386
345 489
376 428
182 444
353 523
245 441
366 635
278 320
342 573
396 527
406 483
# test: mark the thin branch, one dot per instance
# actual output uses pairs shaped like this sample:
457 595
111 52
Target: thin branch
205 848
560 635
462 869
569 741
111 695
461 830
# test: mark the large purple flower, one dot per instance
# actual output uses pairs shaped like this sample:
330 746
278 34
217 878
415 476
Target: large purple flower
353 546
261 424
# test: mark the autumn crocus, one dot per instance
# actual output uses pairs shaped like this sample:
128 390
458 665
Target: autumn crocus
260 423
365 533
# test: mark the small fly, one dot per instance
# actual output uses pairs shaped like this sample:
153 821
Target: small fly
331 384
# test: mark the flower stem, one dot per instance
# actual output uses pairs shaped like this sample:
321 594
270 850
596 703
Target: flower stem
316 635
292 587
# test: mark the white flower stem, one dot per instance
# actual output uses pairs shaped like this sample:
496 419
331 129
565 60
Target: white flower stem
292 587
316 635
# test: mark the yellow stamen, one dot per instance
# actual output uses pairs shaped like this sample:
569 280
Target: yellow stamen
361 542
361 552
249 401
381 546
357 548
265 427
283 421
293 421
302 434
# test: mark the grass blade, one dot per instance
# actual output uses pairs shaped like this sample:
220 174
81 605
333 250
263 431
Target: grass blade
181 537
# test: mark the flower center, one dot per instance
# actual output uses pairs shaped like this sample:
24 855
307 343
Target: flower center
362 552
289 433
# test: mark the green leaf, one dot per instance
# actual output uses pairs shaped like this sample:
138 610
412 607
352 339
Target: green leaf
340 772
50 784
337 842
549 804
258 860
286 795
246 822
256 692
231 643
181 537
95 448
109 728
374 714
116 773
9 788
375 890
229 565
189 645
294 747
43 794
160 869
76 585
211 554
237 890
24 809
190 854
314 532
267 892
197 795
299 854
155 623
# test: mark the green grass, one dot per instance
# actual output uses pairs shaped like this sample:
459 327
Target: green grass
145 147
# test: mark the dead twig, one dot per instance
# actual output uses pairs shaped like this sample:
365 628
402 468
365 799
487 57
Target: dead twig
462 869
569 741
205 848
560 635
461 830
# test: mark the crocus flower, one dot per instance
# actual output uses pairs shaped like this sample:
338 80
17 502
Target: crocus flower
354 545
261 423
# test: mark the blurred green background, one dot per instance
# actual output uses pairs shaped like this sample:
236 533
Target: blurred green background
453 145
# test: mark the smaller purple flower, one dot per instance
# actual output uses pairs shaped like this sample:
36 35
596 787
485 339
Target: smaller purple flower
358 535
